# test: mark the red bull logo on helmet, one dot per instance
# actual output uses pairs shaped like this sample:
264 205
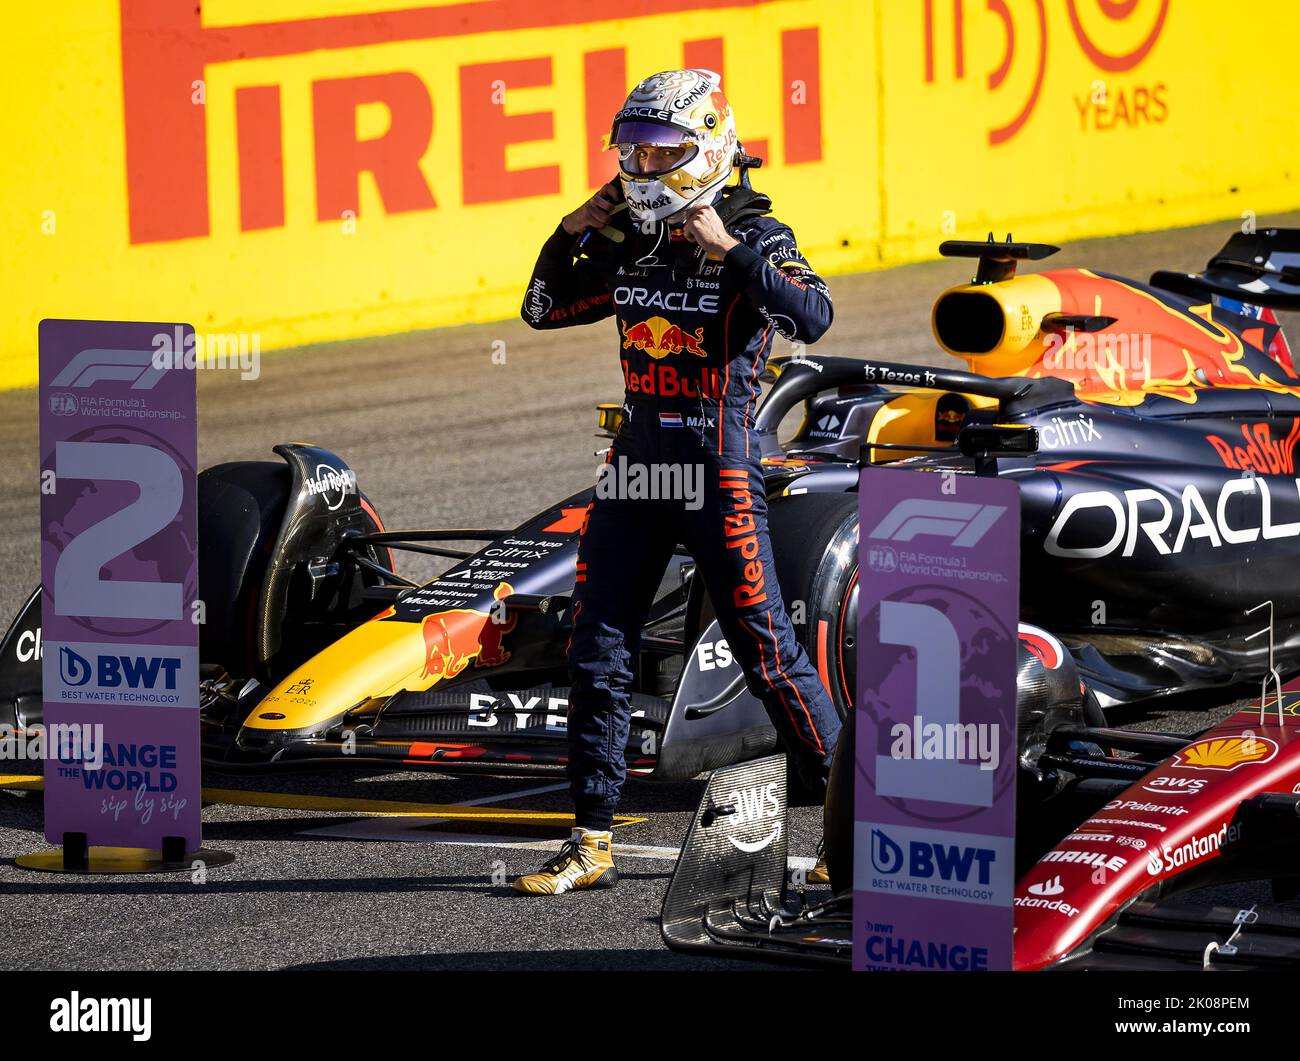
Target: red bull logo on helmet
659 338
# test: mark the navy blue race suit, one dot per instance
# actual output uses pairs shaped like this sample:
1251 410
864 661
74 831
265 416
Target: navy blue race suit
694 336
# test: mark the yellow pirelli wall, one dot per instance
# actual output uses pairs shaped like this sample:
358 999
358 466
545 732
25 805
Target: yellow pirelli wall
303 170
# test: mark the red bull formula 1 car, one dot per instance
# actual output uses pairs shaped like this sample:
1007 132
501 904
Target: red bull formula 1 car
1152 437
1164 490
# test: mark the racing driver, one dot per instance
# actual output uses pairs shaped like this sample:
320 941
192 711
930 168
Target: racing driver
698 275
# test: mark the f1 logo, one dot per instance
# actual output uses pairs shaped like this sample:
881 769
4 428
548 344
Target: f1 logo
963 522
124 366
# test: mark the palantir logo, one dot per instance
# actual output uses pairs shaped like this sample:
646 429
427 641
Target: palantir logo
963 522
73 668
123 366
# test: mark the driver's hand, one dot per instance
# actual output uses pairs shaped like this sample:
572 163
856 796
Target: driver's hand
594 213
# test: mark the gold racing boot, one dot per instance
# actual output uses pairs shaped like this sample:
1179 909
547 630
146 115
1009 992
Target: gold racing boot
819 874
585 860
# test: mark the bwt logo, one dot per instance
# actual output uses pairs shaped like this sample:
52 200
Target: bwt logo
963 522
926 860
112 671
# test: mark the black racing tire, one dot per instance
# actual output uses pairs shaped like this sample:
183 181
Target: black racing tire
241 507
837 812
814 542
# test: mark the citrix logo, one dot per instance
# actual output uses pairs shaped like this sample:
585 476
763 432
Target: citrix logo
963 522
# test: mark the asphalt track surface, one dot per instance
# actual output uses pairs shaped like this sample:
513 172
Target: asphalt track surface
440 434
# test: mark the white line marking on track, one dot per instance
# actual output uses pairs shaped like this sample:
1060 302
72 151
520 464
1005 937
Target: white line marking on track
502 797
413 831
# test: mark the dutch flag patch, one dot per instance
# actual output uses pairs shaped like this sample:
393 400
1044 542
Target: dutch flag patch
670 419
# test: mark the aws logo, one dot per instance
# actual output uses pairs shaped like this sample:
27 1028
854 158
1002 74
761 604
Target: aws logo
756 806
1175 786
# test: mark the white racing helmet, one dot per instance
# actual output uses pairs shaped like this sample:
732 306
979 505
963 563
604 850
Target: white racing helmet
676 141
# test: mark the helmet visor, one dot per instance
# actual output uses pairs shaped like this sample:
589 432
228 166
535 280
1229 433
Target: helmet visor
648 148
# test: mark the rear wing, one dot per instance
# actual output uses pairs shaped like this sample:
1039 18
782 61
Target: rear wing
1259 268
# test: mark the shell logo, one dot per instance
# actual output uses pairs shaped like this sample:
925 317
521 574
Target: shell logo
1225 753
